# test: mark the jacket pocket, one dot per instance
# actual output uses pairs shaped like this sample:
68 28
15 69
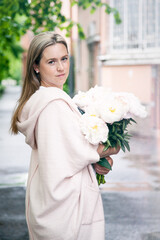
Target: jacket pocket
92 205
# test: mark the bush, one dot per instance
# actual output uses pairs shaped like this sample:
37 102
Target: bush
2 89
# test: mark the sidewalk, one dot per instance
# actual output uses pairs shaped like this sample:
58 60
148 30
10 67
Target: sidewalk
131 195
14 161
14 154
12 219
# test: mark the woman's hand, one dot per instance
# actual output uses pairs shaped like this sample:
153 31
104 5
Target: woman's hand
102 170
108 152
105 154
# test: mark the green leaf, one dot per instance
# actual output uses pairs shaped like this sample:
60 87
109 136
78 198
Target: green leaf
98 176
93 9
113 128
117 17
63 19
107 145
80 31
124 125
127 136
104 163
122 147
108 9
119 142
127 145
132 120
119 136
81 35
98 3
103 179
73 2
113 137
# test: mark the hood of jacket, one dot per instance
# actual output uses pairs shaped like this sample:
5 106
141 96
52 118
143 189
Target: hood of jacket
33 108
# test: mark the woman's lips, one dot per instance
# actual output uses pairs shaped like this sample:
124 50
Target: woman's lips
61 75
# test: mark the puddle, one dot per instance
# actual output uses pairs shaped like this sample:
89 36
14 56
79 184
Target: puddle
151 236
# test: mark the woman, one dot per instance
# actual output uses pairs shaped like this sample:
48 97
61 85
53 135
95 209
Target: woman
62 197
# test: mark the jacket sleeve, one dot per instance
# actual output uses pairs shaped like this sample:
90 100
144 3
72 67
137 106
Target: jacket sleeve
62 154
60 139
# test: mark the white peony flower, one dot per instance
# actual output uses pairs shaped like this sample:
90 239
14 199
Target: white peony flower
97 93
113 109
90 98
108 105
92 109
94 129
135 107
82 99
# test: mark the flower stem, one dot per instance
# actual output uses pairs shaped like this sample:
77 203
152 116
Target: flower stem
100 178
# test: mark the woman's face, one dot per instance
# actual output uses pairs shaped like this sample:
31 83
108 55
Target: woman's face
54 66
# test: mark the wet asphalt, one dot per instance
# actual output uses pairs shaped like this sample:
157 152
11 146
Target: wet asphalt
131 195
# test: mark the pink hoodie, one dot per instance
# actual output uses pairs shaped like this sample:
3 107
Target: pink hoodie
62 198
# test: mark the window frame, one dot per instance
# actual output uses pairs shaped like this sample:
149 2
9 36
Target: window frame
143 41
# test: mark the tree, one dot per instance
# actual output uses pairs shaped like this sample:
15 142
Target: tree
94 4
18 16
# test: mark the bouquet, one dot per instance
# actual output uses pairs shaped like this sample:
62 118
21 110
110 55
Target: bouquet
105 117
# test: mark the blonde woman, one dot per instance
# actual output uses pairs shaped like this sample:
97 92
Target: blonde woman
62 197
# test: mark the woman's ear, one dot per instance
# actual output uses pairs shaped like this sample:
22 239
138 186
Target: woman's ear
36 69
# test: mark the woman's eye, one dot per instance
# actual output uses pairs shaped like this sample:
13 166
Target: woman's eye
51 62
64 59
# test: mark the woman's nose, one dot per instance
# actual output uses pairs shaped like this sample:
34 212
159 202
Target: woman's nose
60 66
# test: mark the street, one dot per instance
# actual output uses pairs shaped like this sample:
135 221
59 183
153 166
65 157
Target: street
131 195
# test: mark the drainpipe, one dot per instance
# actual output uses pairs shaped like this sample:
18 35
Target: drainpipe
71 72
99 52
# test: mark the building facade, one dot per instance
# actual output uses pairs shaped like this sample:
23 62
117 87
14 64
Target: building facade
124 57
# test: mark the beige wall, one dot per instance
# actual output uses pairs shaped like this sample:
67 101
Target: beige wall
81 70
135 79
82 51
102 30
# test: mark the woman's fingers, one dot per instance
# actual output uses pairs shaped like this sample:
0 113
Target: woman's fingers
102 170
109 151
110 160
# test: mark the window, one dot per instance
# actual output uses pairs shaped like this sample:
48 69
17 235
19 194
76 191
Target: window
118 30
140 27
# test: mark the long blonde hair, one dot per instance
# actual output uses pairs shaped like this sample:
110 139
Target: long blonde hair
32 79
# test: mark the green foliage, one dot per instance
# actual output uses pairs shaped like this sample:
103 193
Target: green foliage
4 65
2 89
17 16
94 4
100 178
118 134
15 68
65 87
10 31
